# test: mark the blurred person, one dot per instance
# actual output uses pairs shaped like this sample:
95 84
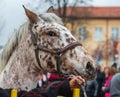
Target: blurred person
39 82
106 87
118 70
107 71
44 79
114 65
115 85
91 88
100 80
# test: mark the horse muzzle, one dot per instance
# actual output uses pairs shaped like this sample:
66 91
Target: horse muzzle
90 71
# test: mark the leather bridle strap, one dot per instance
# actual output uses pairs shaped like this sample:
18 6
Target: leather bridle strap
56 52
59 52
34 41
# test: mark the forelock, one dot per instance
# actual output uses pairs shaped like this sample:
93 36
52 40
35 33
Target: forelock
51 18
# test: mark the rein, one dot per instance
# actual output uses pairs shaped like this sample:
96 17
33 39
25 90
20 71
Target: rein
57 52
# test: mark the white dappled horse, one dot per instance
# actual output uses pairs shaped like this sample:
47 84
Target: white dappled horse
18 64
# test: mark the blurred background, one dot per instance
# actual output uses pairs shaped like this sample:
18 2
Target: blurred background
95 23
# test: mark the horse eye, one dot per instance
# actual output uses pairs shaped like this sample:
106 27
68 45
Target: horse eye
51 33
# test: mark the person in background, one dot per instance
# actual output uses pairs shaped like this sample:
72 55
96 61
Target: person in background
115 85
118 70
106 71
100 80
39 82
107 80
106 87
114 65
91 88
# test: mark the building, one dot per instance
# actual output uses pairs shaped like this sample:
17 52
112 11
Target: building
98 28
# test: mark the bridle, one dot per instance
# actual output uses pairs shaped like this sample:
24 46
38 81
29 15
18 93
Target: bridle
57 52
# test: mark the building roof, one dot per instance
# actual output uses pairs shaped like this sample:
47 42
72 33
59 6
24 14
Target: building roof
93 12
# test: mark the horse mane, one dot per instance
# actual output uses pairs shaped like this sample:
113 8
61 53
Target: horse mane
20 34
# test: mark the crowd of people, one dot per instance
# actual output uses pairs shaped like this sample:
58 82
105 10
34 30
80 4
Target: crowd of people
104 83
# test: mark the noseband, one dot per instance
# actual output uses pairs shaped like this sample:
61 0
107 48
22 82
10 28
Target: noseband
57 52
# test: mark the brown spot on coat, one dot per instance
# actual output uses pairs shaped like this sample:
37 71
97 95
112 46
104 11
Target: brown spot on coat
45 57
49 58
50 43
71 55
62 44
5 71
28 69
15 78
50 64
35 26
66 35
85 53
71 39
68 40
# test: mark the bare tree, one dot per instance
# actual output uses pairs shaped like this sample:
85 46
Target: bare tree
106 52
61 5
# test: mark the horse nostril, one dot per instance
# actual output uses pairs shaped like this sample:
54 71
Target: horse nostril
89 66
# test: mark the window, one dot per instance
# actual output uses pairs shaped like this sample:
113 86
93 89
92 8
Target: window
82 33
98 34
115 33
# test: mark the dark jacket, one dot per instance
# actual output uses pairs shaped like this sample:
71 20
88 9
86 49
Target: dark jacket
115 85
100 80
61 88
91 88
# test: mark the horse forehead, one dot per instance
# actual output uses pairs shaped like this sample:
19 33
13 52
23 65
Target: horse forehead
60 28
55 26
63 31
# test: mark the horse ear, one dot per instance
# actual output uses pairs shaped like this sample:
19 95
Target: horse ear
50 9
31 15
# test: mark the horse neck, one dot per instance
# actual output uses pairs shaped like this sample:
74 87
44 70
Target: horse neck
21 65
25 55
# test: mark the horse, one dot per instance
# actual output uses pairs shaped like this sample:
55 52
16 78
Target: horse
33 49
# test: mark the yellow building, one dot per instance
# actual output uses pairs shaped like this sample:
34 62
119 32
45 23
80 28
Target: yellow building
98 28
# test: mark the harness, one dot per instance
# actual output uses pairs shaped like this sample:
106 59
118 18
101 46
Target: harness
57 52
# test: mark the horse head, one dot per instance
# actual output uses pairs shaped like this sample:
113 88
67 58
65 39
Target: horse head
48 32
42 44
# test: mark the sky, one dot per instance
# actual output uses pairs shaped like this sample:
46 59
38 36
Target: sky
106 2
12 14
